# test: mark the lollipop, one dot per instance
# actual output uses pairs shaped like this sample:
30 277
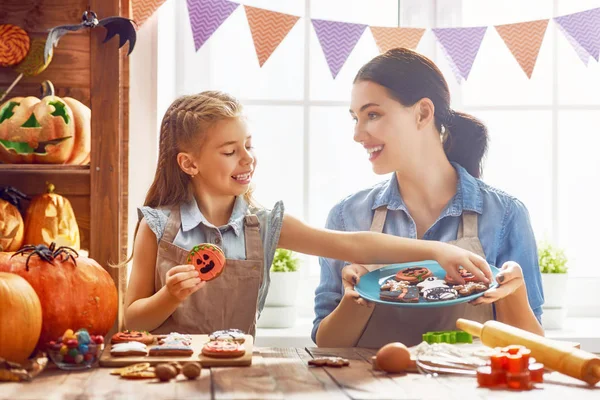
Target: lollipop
14 45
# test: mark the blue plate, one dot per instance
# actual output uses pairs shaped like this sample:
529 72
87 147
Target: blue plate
369 285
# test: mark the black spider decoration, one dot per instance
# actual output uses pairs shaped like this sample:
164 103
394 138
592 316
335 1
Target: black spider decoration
13 195
48 254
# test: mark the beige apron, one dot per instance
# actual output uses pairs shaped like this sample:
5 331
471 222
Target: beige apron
229 301
406 325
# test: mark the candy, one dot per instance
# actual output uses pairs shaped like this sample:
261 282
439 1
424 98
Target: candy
83 348
512 366
68 332
498 361
63 349
487 377
72 352
520 381
72 343
515 363
83 337
513 349
536 372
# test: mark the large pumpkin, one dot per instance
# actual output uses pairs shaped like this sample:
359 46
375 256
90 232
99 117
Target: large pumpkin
50 130
20 318
11 222
50 218
75 292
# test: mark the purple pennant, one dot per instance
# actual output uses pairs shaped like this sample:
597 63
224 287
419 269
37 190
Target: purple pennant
582 30
206 16
461 46
337 41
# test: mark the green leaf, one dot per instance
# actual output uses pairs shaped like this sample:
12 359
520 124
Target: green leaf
552 260
60 110
284 261
7 110
32 122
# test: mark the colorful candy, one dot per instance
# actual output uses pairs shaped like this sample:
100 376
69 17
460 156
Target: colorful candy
75 347
513 367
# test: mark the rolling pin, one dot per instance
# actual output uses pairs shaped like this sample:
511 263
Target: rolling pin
557 356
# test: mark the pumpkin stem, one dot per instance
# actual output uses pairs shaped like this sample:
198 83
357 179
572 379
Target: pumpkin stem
47 89
50 187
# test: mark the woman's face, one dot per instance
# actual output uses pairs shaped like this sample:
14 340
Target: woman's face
387 130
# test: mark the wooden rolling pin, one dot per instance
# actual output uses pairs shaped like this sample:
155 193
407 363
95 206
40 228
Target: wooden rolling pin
555 355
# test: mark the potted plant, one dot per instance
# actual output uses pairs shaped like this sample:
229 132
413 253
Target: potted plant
280 310
553 266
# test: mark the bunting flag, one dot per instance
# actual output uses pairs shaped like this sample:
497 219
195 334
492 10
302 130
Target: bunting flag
461 46
143 9
337 39
582 30
390 38
206 16
524 41
268 29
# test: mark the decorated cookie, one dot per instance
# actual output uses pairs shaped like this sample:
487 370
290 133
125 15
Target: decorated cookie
392 285
466 275
147 374
175 338
208 259
132 336
175 349
470 288
440 294
413 274
130 368
223 349
229 334
430 283
406 294
337 362
128 349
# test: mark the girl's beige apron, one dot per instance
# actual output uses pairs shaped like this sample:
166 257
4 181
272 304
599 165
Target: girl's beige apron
406 325
229 301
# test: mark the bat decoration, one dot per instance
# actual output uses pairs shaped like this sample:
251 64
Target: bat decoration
123 27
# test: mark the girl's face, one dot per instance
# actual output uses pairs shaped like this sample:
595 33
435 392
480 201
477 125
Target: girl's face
387 130
226 161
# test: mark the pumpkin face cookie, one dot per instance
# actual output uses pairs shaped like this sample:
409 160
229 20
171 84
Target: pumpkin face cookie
466 275
208 259
132 336
223 349
413 275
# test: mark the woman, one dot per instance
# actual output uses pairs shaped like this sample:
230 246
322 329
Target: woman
401 107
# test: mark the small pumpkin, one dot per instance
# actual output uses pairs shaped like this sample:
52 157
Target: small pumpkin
50 130
75 292
208 259
20 318
50 218
11 222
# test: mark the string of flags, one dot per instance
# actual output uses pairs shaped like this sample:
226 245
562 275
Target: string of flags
338 39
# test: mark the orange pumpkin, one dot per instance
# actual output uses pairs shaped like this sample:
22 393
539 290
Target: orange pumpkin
11 222
20 318
50 218
50 130
75 292
208 259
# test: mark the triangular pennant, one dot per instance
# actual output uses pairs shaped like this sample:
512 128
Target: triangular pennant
582 29
143 9
461 46
268 29
206 16
524 41
390 38
337 41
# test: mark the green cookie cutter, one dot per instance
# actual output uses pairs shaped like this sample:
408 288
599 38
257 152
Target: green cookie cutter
447 337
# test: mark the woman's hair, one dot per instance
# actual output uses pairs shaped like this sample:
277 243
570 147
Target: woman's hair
409 77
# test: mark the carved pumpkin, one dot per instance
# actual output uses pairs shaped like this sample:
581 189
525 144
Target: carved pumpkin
11 222
50 130
208 259
20 318
75 292
50 218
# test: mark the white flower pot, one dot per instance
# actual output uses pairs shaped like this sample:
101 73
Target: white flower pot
283 289
277 317
554 318
555 290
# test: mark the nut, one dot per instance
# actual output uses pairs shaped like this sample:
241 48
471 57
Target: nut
165 372
191 370
176 365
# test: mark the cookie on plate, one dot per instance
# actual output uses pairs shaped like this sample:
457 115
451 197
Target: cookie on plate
440 294
466 275
413 275
430 283
470 288
406 294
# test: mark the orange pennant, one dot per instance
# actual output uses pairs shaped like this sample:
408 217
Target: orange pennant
390 38
524 41
143 9
268 29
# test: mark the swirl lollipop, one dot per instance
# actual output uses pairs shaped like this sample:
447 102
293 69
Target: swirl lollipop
14 45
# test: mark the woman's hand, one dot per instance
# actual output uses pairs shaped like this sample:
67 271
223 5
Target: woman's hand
509 279
451 257
182 281
350 277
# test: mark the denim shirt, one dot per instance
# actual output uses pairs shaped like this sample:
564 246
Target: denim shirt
503 224
196 229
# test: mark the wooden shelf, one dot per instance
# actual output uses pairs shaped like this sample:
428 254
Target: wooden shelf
43 167
69 180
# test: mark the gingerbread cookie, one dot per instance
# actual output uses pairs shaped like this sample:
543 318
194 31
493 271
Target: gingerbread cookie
466 275
208 259
392 285
337 362
128 349
171 349
229 334
130 368
413 275
406 294
470 288
175 338
430 283
440 294
147 374
132 336
223 349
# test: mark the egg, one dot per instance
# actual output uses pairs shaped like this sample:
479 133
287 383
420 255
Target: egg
393 358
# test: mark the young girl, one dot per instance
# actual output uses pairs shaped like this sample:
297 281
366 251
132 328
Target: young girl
200 194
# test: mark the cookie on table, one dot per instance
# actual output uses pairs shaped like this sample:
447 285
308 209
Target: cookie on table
470 288
223 349
406 294
171 349
440 294
128 349
132 336
413 275
174 338
229 334
337 362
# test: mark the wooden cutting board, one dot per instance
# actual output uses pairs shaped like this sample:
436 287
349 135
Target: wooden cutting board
198 341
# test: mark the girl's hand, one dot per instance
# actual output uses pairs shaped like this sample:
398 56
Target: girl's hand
351 276
182 281
451 257
509 279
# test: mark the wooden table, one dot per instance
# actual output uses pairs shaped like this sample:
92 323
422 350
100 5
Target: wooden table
283 373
